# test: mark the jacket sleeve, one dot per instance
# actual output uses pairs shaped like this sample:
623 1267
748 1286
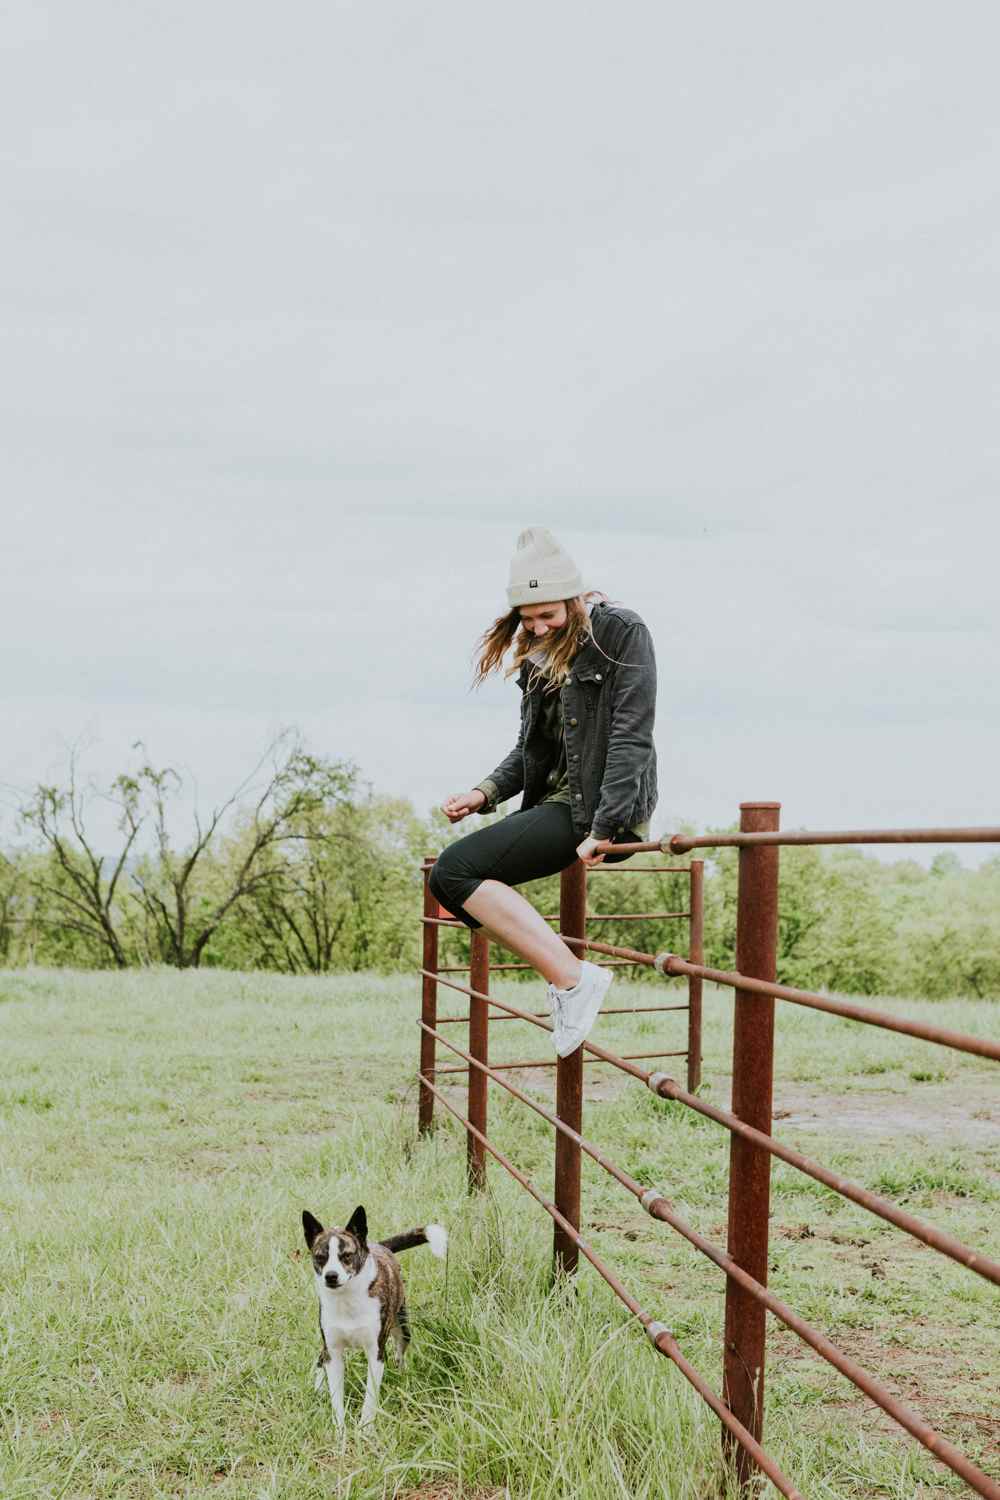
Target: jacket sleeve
507 780
630 741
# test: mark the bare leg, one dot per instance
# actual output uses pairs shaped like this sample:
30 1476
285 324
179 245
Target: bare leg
515 923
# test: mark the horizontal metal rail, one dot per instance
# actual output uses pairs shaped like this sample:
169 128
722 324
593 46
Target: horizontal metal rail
636 916
659 1207
639 869
621 916
494 968
672 964
929 1234
626 1010
682 843
749 1122
660 1337
668 1088
548 1062
463 989
618 963
614 949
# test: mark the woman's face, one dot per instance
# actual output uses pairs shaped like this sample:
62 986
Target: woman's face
540 619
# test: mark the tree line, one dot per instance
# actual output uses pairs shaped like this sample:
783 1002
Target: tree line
305 870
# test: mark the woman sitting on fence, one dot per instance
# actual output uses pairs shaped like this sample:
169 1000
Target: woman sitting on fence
584 760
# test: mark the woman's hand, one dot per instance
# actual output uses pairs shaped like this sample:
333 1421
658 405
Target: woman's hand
586 851
459 806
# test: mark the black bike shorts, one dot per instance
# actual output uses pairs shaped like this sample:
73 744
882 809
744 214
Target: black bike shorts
523 846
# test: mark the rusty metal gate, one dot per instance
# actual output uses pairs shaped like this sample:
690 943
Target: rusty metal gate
753 982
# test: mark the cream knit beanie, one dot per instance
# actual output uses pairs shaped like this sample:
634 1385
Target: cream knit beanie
540 571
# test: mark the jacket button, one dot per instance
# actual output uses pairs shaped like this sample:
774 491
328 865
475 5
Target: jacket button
573 723
579 796
598 677
568 680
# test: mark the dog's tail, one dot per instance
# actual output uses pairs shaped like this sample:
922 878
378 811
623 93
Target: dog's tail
431 1234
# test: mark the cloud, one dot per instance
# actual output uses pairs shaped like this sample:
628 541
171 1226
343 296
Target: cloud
298 337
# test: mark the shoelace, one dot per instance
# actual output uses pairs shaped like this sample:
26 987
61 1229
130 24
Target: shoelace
556 1002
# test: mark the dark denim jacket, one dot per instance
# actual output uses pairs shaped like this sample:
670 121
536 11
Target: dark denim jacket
608 711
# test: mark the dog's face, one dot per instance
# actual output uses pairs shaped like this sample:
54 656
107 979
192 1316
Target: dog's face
337 1254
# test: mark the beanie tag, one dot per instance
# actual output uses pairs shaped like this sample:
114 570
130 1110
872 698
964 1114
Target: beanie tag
532 583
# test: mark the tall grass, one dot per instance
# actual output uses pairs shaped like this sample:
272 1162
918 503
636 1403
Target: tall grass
160 1134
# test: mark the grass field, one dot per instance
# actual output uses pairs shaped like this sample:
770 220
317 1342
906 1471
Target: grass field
161 1133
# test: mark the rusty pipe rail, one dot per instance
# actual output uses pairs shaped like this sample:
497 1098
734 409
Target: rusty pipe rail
668 1088
659 1335
673 965
754 981
626 1010
682 843
550 1062
929 1234
658 1206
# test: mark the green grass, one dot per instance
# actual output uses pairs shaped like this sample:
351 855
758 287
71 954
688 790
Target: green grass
161 1133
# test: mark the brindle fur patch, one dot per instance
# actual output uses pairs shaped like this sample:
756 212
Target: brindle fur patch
388 1288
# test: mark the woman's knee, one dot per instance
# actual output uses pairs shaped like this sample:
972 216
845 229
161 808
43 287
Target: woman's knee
451 885
445 878
435 881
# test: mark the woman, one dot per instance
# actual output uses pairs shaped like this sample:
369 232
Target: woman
584 760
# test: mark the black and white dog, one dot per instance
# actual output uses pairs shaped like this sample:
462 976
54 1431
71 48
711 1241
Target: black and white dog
361 1299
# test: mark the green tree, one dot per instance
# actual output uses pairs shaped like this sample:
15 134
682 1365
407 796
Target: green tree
344 897
78 888
182 898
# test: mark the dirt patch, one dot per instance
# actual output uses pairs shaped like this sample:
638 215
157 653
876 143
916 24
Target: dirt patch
963 1112
956 1399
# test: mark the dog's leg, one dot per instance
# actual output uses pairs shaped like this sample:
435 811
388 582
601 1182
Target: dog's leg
401 1334
376 1369
399 1344
335 1383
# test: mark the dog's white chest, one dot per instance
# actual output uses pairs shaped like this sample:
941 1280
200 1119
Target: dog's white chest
349 1317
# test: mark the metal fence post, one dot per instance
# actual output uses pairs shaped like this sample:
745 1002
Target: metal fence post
428 1004
479 1046
749 1166
696 955
569 1083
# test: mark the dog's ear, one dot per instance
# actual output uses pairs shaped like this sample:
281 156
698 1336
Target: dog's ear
312 1227
357 1225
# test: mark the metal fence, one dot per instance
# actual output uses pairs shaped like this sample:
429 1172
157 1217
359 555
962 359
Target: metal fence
753 981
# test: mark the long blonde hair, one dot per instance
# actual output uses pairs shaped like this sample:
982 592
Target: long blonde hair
560 646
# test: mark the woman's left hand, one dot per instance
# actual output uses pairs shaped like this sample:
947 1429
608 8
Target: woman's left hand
586 852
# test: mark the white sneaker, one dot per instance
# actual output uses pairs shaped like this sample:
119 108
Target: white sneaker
574 1011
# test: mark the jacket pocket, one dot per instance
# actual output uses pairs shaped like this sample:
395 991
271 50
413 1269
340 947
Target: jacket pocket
591 681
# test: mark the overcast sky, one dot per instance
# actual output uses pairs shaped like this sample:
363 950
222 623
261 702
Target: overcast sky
308 310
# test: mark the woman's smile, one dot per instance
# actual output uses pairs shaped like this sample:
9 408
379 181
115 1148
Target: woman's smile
541 619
